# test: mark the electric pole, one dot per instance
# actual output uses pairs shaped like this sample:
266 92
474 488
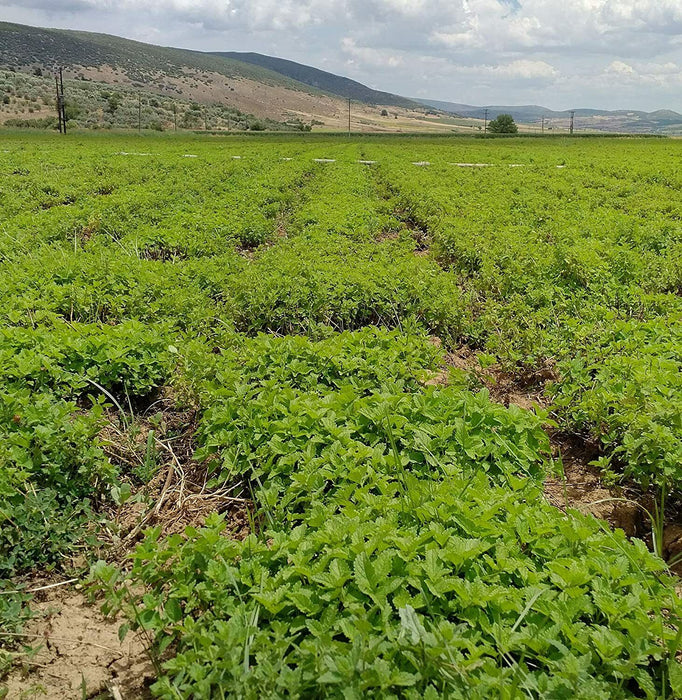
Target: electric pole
61 104
572 118
543 123
175 116
139 113
485 121
349 116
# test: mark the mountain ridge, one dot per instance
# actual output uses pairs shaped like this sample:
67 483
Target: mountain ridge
320 79
534 113
278 89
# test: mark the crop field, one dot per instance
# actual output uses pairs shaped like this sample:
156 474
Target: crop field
335 417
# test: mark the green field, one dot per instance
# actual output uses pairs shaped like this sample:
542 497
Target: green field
255 346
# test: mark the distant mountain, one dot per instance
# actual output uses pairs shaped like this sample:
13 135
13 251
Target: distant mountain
263 87
631 121
320 79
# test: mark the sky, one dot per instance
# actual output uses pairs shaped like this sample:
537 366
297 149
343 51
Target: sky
609 54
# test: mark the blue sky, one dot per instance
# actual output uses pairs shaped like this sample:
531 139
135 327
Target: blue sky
613 54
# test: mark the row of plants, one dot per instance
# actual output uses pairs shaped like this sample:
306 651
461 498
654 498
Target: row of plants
580 266
402 546
400 542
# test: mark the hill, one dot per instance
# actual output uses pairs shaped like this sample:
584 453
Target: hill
240 90
320 79
21 46
632 121
94 61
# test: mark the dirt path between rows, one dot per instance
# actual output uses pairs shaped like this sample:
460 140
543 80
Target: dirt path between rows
71 651
580 486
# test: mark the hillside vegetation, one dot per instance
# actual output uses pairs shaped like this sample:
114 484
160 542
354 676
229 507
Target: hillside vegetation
28 101
203 78
22 45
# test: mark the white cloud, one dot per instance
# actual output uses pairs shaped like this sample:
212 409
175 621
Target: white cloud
494 51
524 69
370 56
666 75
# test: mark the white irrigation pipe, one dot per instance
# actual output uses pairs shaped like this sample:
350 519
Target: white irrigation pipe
419 163
41 588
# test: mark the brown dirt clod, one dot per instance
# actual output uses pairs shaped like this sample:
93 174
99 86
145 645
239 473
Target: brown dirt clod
78 654
583 489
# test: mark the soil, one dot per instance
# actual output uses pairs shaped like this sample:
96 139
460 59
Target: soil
79 654
525 390
581 486
178 495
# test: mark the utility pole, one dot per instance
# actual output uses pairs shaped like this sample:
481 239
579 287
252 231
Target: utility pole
175 116
139 113
485 121
61 105
349 116
63 102
59 102
543 123
205 120
572 118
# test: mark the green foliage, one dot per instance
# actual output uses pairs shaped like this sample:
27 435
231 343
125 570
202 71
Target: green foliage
401 546
422 561
346 287
493 594
52 466
129 359
503 124
338 442
576 266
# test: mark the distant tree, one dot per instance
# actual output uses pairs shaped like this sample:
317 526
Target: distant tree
384 113
503 124
113 103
